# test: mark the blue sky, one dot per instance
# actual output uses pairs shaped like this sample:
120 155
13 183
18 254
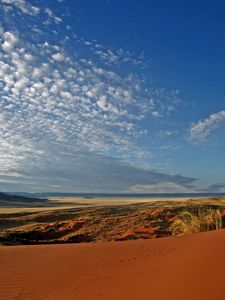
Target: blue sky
112 96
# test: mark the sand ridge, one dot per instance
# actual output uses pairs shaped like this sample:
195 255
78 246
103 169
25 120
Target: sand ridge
184 268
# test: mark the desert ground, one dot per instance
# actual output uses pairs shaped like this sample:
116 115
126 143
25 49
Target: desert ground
123 249
75 220
190 267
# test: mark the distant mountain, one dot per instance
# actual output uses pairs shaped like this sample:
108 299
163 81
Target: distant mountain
19 199
115 195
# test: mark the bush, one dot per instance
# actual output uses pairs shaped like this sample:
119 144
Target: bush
187 222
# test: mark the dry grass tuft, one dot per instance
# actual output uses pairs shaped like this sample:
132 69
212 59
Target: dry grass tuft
201 220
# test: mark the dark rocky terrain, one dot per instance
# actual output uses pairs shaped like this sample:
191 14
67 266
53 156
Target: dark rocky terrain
7 200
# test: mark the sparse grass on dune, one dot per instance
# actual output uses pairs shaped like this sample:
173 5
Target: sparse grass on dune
203 219
185 223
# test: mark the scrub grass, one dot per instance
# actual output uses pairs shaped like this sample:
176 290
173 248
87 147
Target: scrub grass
200 220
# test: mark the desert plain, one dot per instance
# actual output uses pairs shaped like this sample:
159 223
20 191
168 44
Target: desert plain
75 248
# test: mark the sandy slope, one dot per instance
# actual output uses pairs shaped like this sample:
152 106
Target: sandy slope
185 268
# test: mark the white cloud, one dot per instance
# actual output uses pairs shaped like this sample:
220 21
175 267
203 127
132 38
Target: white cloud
202 129
113 56
52 16
28 57
21 84
167 133
55 106
102 102
22 5
10 39
58 57
162 187
66 95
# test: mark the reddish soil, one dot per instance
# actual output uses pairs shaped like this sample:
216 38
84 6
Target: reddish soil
189 267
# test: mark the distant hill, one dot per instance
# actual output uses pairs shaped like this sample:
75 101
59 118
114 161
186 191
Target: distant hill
6 198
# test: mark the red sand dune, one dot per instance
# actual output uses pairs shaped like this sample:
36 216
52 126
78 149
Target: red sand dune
185 268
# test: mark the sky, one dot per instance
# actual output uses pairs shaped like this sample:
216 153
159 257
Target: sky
112 96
